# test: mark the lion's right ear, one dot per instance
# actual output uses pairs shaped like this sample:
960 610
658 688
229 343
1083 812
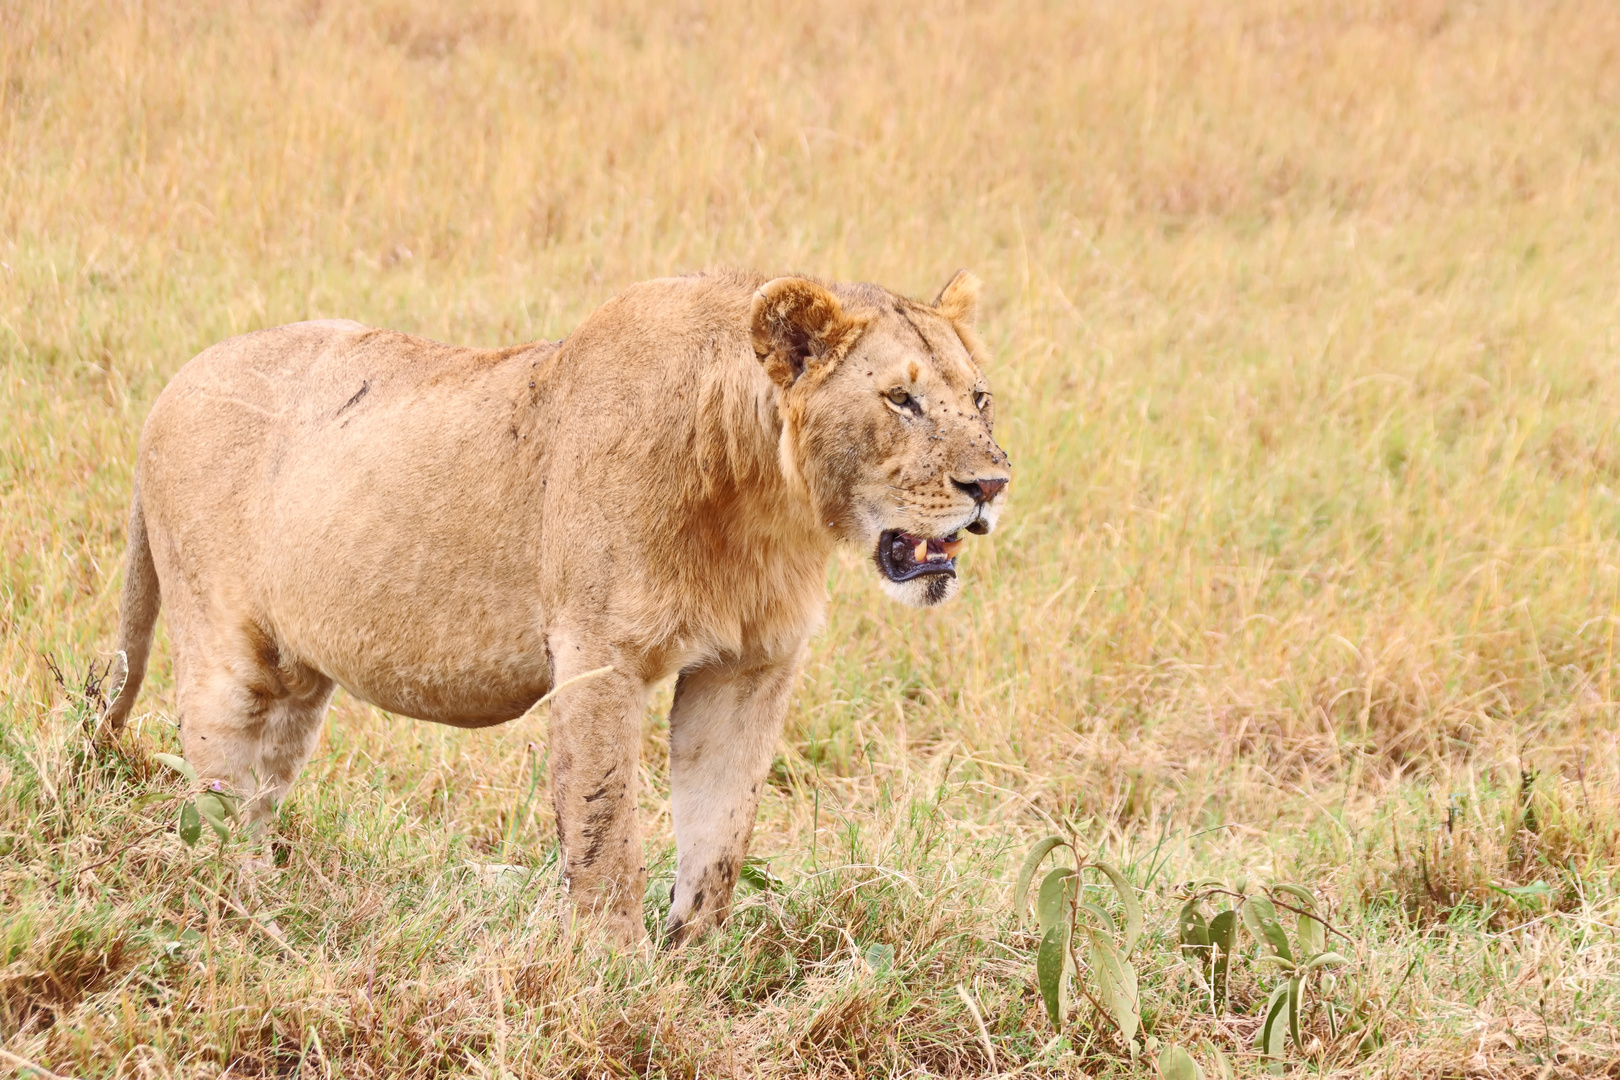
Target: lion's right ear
799 326
958 301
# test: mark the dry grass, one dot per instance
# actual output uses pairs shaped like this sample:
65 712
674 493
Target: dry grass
1309 361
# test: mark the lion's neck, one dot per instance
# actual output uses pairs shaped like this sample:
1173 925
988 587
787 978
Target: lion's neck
743 471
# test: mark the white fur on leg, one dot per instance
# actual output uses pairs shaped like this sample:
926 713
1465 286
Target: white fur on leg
724 729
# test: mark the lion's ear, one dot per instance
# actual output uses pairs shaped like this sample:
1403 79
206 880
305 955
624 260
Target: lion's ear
958 301
800 325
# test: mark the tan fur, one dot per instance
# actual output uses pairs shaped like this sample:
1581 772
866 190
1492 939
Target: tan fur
450 532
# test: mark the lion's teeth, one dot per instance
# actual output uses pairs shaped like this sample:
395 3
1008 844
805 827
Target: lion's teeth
921 554
952 547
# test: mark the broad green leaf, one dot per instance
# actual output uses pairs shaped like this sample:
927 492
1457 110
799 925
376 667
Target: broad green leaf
1312 933
1223 1067
1115 978
1257 909
1103 990
213 812
1176 1064
1302 895
1261 919
1199 885
151 797
1130 1006
1194 930
190 823
1057 889
1536 890
179 765
1269 1039
1280 961
1105 920
1293 1011
1223 929
1026 874
1070 973
1127 899
879 958
1327 959
1049 970
1278 939
757 875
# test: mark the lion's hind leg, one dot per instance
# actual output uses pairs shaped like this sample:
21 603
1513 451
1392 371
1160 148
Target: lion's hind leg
249 716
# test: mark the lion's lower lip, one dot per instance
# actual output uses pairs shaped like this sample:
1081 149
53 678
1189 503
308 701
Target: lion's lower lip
897 555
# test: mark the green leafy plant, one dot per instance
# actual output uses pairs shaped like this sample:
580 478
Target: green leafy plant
756 874
1072 924
1175 1063
1304 962
209 803
1087 942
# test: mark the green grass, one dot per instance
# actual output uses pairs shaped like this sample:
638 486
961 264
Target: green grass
1308 360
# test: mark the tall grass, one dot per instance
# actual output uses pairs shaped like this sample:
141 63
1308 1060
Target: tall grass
1307 331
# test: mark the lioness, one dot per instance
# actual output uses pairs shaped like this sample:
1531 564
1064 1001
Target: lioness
451 532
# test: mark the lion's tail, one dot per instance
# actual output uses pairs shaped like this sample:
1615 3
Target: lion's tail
139 612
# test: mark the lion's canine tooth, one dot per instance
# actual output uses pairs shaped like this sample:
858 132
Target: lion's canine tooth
952 547
921 554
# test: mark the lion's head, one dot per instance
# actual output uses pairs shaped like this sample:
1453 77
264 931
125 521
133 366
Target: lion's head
887 421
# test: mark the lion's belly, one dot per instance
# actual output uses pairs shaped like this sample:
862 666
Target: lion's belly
427 615
466 697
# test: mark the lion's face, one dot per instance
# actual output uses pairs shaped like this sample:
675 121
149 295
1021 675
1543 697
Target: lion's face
888 422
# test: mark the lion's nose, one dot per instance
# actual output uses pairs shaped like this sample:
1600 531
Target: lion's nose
982 489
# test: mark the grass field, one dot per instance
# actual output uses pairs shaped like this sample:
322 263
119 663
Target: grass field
1307 327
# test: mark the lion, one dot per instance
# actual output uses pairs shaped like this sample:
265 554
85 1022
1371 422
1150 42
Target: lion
451 533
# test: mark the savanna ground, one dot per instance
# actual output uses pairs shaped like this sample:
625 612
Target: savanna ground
1307 327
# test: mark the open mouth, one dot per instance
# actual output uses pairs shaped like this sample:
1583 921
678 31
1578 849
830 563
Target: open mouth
902 556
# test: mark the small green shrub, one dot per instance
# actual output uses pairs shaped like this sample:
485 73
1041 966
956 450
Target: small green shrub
210 803
1303 963
1068 919
1087 947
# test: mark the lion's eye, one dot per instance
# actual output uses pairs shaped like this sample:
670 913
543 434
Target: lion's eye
898 397
981 400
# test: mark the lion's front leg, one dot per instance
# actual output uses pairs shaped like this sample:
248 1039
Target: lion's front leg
723 729
595 754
